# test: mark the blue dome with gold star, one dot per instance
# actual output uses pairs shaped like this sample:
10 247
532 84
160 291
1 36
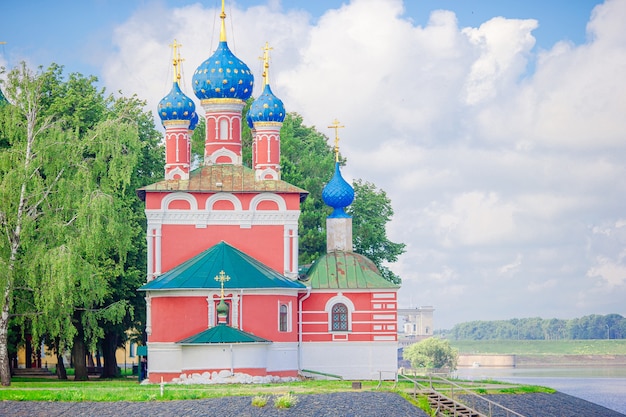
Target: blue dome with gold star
267 108
338 194
223 75
194 121
176 105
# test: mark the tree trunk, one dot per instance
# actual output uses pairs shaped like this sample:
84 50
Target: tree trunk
5 368
61 372
109 347
79 355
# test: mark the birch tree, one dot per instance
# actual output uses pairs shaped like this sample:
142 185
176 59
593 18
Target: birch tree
76 223
28 140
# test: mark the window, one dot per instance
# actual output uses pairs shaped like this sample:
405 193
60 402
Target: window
339 316
282 318
223 129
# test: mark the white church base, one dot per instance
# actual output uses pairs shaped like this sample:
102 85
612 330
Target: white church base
170 360
351 360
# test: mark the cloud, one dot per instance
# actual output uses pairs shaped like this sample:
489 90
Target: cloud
611 272
501 160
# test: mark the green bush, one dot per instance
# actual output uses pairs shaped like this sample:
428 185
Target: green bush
260 400
286 401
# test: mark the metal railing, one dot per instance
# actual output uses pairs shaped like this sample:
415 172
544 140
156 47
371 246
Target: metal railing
322 373
453 391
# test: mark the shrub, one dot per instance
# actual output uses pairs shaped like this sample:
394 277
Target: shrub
286 401
260 401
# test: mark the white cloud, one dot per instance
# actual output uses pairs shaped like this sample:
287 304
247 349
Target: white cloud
473 218
610 272
492 152
513 267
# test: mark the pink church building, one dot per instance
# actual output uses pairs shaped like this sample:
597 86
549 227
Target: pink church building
223 290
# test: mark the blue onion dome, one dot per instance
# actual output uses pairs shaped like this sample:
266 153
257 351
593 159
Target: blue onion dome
249 120
267 108
194 121
176 106
223 75
338 194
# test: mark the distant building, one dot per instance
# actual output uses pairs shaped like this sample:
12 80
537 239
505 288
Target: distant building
418 323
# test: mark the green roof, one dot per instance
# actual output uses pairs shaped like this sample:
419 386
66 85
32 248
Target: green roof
200 271
222 334
223 178
346 270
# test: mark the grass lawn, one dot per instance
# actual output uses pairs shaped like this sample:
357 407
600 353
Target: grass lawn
40 389
541 347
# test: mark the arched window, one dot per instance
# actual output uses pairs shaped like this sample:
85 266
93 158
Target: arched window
339 315
282 318
224 129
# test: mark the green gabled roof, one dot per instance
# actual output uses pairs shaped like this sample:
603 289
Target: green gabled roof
222 334
346 270
200 271
223 178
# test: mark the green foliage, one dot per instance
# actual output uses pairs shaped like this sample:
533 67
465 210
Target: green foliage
610 326
71 160
371 211
432 353
260 400
424 405
307 161
286 401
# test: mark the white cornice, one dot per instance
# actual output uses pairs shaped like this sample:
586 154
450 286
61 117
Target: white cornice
202 218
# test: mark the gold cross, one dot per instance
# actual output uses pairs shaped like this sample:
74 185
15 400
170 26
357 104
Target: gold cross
222 278
266 63
336 126
176 60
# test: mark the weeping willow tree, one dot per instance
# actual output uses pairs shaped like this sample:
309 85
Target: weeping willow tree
68 154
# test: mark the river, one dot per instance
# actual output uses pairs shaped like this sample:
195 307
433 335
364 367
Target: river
605 386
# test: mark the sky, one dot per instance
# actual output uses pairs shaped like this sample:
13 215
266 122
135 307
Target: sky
497 129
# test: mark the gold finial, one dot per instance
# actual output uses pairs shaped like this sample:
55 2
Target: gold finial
266 63
336 126
176 60
222 278
223 27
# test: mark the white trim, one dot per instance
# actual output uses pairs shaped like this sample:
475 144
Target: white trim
261 174
203 218
193 203
229 292
210 311
339 298
148 314
384 338
171 174
234 158
210 202
259 198
384 295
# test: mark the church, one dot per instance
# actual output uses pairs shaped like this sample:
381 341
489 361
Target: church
223 290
